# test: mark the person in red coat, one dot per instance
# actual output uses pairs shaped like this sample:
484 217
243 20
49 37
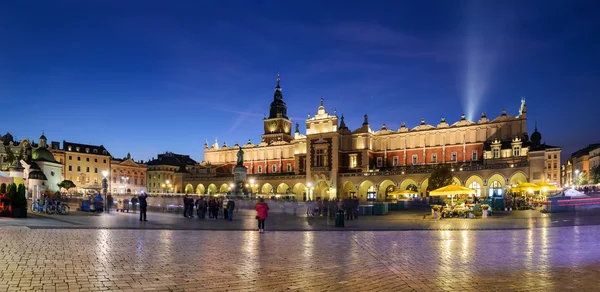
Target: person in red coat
262 211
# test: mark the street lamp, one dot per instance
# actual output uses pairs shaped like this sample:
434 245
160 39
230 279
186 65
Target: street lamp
105 187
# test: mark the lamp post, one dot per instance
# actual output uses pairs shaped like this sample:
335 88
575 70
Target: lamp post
308 191
105 188
576 178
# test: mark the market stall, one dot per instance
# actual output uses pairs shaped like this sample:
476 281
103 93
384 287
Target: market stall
463 210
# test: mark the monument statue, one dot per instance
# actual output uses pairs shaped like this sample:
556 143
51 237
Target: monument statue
366 120
240 157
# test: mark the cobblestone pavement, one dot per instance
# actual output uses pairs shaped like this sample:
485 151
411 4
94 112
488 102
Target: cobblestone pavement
244 220
544 259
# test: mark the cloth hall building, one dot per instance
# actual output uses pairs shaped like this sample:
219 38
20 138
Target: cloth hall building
331 160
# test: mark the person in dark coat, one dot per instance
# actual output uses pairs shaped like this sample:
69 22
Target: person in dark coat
190 204
143 206
109 202
201 206
230 208
185 205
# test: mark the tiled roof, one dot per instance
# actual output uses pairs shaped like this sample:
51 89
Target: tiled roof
81 148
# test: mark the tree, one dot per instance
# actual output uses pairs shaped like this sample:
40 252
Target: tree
3 188
582 179
595 174
66 184
10 156
440 177
21 154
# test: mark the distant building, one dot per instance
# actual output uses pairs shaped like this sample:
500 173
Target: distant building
161 172
41 173
330 160
127 176
582 162
83 164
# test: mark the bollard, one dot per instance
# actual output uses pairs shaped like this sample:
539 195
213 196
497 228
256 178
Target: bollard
339 219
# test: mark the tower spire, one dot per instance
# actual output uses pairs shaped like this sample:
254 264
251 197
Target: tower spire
278 78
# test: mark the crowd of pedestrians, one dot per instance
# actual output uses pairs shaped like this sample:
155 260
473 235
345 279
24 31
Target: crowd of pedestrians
329 208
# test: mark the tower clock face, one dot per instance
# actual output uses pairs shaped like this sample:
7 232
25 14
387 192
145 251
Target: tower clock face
273 124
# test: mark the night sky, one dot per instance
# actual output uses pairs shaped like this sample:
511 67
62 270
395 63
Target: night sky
152 76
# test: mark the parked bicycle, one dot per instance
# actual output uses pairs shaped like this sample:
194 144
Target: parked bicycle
50 207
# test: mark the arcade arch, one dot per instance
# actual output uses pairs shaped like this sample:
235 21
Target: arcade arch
385 187
200 189
189 189
364 188
406 183
212 189
496 185
282 188
347 190
266 189
224 188
517 178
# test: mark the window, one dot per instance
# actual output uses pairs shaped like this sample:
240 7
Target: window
70 177
87 179
87 169
95 159
70 168
434 158
554 164
320 157
78 158
353 161
77 149
78 168
135 181
70 157
415 159
379 161
104 161
477 187
260 169
453 156
95 170
273 168
142 181
78 178
87 159
474 155
70 148
555 176
114 180
289 167
159 176
516 151
549 156
95 150
549 166
395 161
95 180
495 153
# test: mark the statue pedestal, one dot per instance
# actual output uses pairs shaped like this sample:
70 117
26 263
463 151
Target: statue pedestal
239 178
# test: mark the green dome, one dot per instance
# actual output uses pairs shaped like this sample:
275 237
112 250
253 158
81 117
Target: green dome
42 154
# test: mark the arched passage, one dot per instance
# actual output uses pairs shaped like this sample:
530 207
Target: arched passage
406 183
517 178
200 189
189 189
424 185
456 181
300 190
212 189
282 188
496 185
385 187
475 182
321 190
224 188
266 189
347 190
364 188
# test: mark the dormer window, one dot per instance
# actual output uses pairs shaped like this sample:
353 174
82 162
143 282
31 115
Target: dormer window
95 150
77 149
516 151
87 150
495 153
70 148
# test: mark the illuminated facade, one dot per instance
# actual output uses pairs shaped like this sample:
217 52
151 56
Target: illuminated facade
161 173
579 165
127 176
83 164
331 160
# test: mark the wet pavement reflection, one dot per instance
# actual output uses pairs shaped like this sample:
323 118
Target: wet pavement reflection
540 259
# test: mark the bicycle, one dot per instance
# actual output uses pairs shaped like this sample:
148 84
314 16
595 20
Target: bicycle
37 207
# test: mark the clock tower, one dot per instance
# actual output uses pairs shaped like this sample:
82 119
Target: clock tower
278 127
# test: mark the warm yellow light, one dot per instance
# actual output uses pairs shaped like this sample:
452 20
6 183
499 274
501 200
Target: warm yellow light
105 173
167 181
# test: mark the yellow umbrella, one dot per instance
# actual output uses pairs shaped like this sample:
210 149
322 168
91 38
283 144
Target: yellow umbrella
452 190
405 192
546 186
527 187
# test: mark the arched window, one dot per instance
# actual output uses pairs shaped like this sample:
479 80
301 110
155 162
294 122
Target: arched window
495 189
260 169
477 187
415 159
274 168
289 167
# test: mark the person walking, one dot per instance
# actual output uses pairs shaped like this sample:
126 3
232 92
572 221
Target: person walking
134 202
262 211
225 210
143 206
230 208
201 206
109 202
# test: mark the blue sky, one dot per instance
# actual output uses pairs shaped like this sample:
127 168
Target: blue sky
152 76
